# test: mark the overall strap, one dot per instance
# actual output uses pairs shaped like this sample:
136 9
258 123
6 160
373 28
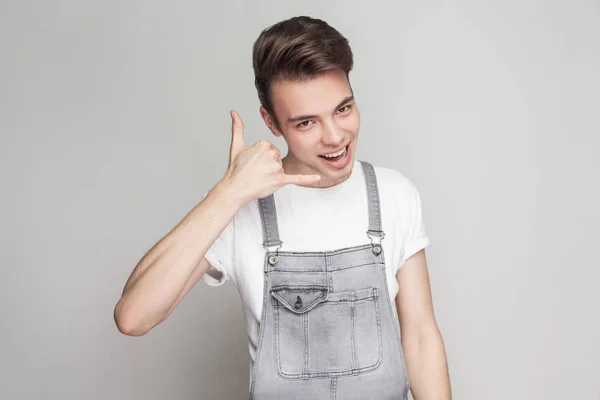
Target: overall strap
268 217
375 230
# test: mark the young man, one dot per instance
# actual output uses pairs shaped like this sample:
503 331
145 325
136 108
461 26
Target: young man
326 251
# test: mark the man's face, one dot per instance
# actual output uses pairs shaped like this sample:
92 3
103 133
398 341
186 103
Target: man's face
318 118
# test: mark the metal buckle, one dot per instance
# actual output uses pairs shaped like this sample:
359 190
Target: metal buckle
376 237
376 234
273 258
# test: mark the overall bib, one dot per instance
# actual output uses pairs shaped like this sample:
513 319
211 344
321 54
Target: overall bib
328 330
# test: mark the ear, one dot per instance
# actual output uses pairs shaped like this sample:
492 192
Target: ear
269 121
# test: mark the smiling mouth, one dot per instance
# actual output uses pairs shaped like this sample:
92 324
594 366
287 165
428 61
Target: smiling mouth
340 154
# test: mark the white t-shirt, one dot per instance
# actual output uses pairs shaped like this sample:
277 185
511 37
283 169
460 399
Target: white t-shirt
311 219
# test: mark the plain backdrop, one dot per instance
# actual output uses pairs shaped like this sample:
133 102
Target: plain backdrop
114 118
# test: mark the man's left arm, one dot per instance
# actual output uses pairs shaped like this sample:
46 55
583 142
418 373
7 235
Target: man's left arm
421 339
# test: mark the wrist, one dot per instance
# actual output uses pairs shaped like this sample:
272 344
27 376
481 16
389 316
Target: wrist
230 194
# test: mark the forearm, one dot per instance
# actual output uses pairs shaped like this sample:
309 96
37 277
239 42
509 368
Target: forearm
158 279
427 365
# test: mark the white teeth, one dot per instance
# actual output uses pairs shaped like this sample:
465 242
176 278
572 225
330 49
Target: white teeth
339 153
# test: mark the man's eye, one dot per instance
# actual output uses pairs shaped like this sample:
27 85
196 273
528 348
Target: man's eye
344 109
303 124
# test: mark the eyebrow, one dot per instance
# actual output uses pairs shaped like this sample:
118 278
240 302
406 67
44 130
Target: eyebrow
303 117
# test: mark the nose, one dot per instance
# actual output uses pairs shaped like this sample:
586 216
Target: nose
332 135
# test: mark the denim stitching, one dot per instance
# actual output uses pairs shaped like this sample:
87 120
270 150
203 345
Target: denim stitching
349 266
346 372
334 388
276 334
331 253
261 335
267 221
306 344
295 271
352 334
263 211
329 274
330 295
333 269
298 287
379 335
280 305
315 272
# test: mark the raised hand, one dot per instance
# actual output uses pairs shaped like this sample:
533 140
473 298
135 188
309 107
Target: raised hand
257 171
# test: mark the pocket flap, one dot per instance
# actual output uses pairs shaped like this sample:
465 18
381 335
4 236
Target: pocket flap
300 299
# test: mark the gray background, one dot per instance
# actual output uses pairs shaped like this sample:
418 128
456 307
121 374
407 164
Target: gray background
115 120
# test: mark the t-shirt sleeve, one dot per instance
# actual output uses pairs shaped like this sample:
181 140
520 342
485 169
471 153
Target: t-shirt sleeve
415 236
220 257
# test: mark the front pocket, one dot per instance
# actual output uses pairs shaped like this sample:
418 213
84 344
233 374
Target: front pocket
322 334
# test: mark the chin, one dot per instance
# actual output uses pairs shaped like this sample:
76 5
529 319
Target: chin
336 175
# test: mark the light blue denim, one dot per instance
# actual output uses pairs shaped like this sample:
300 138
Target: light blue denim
328 329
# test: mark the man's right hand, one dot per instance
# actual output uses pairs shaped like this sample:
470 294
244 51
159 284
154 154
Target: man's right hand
257 171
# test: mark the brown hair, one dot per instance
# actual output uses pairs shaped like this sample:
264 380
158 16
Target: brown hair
297 49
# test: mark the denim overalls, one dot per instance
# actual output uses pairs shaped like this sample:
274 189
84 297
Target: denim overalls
328 330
